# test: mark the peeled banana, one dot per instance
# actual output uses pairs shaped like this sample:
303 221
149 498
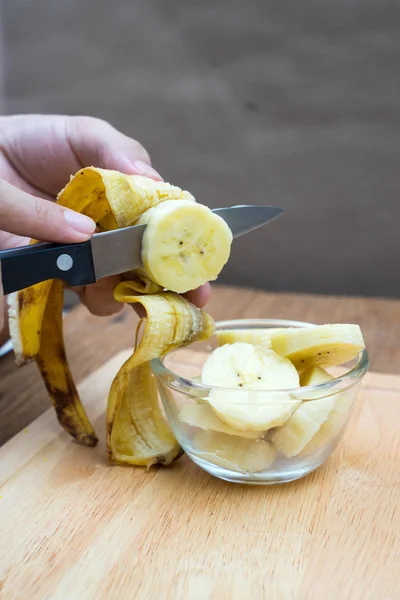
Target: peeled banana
323 345
295 428
335 422
236 454
258 337
307 420
136 430
203 417
248 371
184 245
314 376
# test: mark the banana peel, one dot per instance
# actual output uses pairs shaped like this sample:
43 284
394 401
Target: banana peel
137 433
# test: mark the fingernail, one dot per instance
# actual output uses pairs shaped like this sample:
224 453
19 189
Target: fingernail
79 222
143 168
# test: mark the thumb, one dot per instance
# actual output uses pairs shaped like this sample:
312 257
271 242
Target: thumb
26 215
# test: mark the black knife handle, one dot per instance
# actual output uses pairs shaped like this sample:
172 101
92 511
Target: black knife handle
27 265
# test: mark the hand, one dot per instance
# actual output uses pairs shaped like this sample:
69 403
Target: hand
37 156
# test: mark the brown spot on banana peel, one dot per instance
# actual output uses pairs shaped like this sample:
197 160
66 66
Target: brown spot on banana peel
163 460
64 405
160 460
20 302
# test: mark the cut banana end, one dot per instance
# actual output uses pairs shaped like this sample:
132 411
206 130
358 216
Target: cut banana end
203 417
324 345
184 245
234 453
249 371
257 337
307 420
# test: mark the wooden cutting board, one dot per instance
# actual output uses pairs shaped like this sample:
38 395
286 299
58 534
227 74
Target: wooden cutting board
73 527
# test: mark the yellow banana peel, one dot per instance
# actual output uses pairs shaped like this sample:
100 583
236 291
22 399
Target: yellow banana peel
137 432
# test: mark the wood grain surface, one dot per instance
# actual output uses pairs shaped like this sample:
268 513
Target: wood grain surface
77 528
91 341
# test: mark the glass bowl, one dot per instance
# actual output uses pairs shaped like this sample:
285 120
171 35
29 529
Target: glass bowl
247 456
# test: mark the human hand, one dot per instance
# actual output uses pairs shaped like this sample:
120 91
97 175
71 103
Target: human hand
37 156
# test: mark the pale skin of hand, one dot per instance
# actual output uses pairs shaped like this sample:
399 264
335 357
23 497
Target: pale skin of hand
38 153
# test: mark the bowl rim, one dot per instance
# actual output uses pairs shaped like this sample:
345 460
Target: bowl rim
346 380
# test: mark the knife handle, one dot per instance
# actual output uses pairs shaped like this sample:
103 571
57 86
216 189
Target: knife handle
27 265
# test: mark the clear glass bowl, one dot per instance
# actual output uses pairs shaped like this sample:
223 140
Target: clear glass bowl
254 459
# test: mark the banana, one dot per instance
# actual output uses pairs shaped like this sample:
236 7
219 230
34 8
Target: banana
136 430
257 337
203 417
307 420
114 199
242 365
249 371
323 345
234 453
184 245
314 376
337 418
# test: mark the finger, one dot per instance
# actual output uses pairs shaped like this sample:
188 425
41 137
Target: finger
5 331
9 240
99 297
96 142
1 307
26 215
201 296
139 310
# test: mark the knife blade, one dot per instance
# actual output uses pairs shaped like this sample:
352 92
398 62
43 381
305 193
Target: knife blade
108 253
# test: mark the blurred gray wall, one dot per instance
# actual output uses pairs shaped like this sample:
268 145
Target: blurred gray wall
292 103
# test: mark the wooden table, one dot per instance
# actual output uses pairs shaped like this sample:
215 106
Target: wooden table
75 527
91 341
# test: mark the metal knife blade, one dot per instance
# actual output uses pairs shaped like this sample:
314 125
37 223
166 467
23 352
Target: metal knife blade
108 253
118 251
247 217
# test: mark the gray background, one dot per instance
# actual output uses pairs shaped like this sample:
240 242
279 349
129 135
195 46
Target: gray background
294 103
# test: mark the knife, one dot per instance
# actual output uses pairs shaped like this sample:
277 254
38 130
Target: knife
108 253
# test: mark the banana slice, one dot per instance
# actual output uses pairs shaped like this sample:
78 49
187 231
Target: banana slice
203 417
307 420
243 365
332 427
257 337
314 376
184 244
249 371
336 420
234 453
323 345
